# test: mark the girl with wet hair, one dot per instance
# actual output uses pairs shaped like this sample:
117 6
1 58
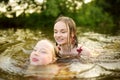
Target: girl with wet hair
43 53
66 39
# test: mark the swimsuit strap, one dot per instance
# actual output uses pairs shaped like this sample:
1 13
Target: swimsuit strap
79 50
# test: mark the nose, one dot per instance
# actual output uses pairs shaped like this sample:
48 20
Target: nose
36 53
58 34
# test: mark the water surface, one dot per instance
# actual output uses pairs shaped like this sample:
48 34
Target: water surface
15 48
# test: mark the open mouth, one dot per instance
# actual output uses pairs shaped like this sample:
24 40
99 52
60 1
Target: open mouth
59 40
35 59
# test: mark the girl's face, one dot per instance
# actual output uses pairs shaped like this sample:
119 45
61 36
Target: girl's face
61 33
41 55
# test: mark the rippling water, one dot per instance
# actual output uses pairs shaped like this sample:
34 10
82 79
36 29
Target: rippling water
15 48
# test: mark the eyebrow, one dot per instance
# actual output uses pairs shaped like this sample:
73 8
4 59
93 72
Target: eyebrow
61 29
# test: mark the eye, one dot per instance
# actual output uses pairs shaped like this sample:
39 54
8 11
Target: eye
44 52
63 31
55 31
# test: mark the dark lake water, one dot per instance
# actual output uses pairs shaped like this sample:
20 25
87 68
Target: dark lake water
15 48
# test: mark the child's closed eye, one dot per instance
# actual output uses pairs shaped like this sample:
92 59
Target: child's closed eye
44 52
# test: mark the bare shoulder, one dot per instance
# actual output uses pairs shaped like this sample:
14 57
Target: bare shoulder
85 51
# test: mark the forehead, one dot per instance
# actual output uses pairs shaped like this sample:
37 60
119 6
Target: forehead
60 25
43 45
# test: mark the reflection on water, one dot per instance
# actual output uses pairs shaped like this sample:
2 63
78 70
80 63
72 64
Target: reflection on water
96 69
74 70
16 47
42 72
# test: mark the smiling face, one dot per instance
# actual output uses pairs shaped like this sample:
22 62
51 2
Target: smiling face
42 53
61 33
65 31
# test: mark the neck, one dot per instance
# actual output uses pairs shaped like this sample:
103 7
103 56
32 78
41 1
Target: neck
65 49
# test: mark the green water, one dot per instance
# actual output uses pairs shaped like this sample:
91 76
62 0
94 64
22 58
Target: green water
15 48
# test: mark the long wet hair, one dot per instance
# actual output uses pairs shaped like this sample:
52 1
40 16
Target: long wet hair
71 26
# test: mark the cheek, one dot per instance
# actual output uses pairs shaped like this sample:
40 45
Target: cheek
46 59
65 36
50 58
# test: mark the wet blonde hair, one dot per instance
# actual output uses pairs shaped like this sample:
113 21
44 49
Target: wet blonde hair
71 26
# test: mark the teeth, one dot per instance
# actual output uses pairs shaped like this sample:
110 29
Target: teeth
59 39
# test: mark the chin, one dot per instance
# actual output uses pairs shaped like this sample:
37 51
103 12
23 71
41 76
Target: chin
32 63
60 43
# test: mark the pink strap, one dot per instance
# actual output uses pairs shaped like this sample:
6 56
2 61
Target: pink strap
79 50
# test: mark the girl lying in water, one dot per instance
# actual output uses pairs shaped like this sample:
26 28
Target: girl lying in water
43 53
41 59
